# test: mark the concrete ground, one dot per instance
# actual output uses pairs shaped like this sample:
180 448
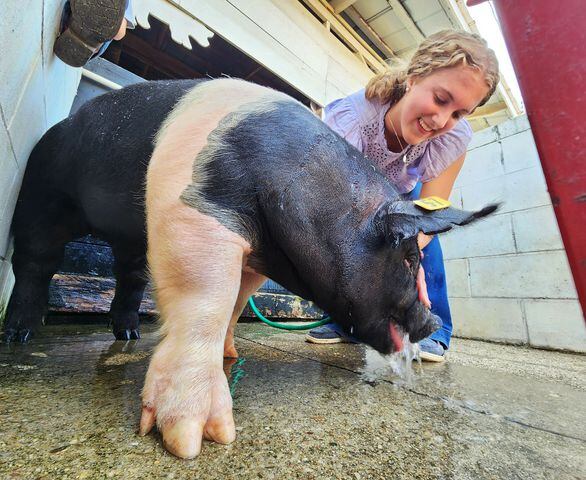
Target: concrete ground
69 408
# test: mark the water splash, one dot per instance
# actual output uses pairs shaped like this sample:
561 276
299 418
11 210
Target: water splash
397 364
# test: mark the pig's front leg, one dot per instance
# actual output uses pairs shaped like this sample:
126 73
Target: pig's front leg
186 392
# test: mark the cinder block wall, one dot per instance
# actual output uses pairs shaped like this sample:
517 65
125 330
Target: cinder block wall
36 92
509 279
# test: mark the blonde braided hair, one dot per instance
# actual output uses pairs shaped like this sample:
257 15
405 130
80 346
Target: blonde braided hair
444 49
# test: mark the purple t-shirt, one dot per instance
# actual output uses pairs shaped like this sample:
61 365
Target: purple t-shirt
361 123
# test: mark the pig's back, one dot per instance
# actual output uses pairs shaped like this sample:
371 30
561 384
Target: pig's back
100 154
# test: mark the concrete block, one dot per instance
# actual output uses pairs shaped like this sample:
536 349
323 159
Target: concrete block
61 83
519 152
517 191
528 275
9 173
494 319
457 278
481 164
483 137
537 229
20 34
6 284
7 209
513 126
61 80
28 123
8 165
556 324
52 11
490 236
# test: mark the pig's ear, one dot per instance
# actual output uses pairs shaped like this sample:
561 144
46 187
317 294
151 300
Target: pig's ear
402 219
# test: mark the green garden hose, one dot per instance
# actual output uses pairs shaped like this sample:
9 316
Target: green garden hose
284 326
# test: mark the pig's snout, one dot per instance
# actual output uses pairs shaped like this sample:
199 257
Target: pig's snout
420 323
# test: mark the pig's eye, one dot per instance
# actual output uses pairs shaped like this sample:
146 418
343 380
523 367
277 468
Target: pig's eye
410 261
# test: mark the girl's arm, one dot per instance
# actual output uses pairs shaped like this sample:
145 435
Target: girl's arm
440 187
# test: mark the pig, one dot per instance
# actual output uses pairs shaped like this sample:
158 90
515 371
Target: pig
233 183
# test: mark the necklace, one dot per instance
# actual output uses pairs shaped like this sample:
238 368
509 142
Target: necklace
404 157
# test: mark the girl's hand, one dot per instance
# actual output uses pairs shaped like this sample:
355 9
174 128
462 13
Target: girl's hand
422 287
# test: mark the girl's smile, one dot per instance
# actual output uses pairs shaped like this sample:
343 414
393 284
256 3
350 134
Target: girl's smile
434 104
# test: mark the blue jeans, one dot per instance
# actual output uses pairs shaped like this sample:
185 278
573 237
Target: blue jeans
435 277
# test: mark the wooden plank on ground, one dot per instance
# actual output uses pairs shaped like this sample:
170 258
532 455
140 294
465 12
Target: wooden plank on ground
90 294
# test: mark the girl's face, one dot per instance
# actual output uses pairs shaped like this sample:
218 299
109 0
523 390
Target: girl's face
434 104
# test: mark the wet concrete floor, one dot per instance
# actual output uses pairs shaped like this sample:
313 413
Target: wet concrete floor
69 408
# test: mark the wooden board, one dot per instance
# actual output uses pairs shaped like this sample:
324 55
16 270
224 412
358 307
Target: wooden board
73 293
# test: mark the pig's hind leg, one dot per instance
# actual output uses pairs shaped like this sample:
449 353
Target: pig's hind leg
196 266
42 226
131 280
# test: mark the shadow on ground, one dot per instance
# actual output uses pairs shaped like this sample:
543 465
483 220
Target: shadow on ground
69 408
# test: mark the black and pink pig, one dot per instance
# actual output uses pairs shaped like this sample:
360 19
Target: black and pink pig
228 183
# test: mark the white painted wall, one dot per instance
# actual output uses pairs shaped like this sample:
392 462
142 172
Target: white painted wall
36 92
509 279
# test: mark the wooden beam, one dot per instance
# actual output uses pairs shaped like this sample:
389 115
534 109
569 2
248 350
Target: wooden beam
370 32
253 73
340 5
69 293
341 28
406 20
115 52
488 110
162 37
146 53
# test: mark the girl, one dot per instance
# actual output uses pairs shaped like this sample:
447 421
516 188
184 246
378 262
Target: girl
410 122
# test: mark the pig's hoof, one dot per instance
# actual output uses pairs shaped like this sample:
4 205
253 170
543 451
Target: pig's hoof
9 335
183 438
25 335
21 335
127 334
188 401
